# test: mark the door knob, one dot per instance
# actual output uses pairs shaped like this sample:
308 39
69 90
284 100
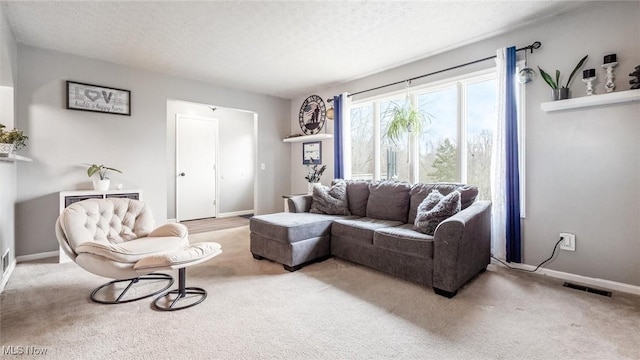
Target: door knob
182 174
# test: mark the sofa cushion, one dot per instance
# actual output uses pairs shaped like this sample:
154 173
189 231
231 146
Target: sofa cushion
292 227
360 229
430 215
357 196
332 201
388 200
419 192
468 195
404 239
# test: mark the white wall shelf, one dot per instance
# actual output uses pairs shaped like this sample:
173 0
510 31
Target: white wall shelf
315 137
593 100
13 157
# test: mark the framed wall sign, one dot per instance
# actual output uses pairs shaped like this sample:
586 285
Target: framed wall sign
87 97
312 153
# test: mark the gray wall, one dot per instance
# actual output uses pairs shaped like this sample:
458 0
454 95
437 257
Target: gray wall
8 189
582 166
61 140
236 155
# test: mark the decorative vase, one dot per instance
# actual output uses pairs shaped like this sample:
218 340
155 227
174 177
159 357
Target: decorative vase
101 185
310 186
6 149
560 94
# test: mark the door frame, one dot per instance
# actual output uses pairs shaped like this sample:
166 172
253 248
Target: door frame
177 162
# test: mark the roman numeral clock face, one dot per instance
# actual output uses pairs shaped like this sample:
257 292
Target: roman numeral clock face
312 115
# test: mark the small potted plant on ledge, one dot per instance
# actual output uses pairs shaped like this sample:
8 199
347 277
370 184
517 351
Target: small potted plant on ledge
101 184
560 93
313 176
11 141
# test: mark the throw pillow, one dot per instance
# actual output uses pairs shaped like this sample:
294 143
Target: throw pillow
388 200
357 195
331 201
434 209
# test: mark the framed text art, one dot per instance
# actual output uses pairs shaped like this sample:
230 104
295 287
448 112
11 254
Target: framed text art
312 153
87 97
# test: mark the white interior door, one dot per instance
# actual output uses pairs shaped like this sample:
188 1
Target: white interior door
196 152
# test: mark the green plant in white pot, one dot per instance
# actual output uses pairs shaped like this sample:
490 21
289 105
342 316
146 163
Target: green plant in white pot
103 182
11 141
560 92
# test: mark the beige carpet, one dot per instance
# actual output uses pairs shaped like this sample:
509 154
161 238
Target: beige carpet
329 310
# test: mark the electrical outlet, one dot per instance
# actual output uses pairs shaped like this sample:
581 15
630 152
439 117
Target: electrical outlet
568 241
5 261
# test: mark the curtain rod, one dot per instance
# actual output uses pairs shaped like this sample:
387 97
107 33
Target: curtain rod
535 45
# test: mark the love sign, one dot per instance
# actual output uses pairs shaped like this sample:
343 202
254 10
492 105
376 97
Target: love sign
97 98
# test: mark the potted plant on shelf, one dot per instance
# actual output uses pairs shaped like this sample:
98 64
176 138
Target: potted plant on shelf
11 141
560 93
101 184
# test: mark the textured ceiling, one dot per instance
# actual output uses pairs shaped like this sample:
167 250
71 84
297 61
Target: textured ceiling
285 49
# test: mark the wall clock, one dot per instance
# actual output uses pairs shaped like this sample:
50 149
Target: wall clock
313 115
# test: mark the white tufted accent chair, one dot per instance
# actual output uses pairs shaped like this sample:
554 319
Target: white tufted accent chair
107 237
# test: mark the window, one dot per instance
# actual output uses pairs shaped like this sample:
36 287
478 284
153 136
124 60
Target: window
362 149
454 146
480 116
437 145
394 162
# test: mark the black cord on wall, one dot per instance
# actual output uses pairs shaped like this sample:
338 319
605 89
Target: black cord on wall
537 267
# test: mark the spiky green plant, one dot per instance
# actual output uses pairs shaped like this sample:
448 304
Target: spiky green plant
554 84
405 119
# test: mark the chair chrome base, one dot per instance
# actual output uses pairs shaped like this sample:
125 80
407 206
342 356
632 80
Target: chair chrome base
181 292
119 299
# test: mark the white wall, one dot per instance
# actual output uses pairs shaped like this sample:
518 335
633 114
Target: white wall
8 173
62 140
582 166
236 155
298 170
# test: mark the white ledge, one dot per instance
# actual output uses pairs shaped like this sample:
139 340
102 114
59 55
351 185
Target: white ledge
13 157
593 100
308 138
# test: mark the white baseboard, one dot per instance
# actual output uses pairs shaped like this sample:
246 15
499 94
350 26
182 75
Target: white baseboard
584 280
235 213
223 215
7 275
37 256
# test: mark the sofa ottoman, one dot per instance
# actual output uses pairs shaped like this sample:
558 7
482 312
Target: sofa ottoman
292 239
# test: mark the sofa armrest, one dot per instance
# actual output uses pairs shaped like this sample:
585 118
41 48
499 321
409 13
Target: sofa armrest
300 203
462 247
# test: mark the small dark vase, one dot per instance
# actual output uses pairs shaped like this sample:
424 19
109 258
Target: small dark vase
560 94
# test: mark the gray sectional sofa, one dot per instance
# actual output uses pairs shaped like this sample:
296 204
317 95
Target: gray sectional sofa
379 233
